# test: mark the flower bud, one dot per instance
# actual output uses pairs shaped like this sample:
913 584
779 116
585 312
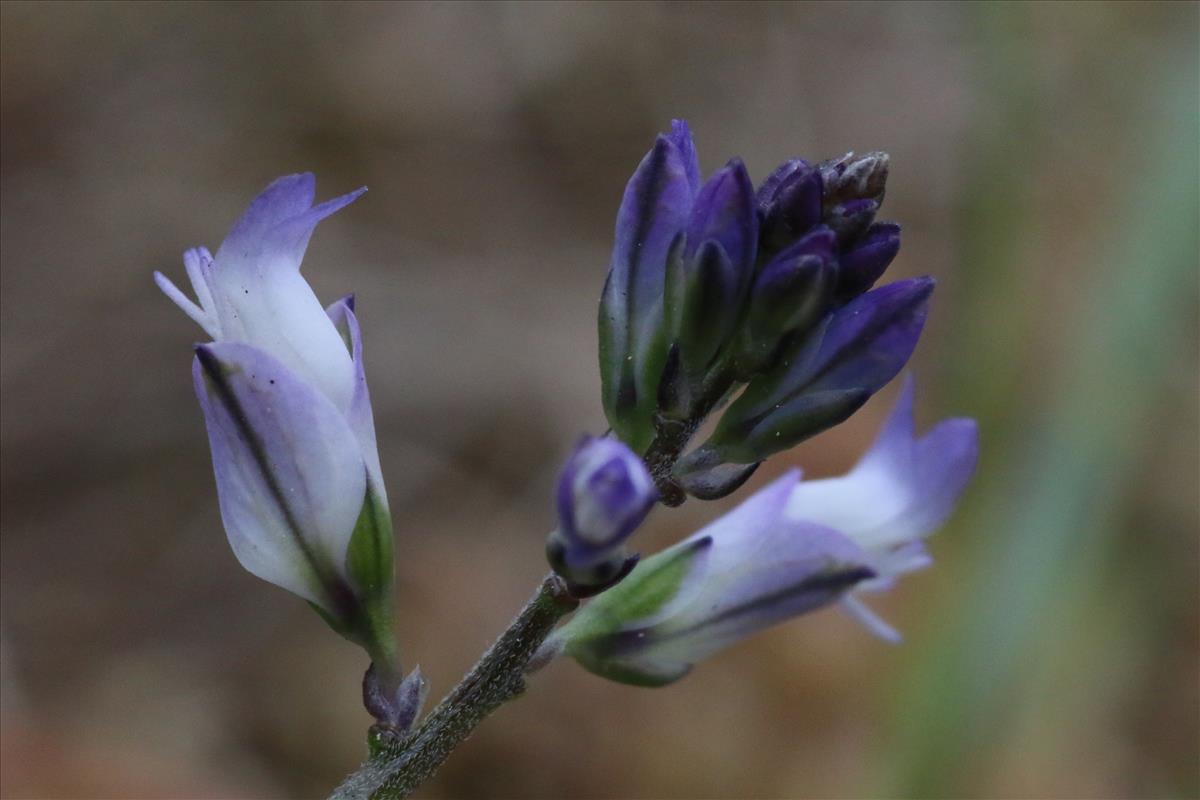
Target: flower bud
651 222
790 204
854 177
860 267
707 286
604 493
790 294
826 376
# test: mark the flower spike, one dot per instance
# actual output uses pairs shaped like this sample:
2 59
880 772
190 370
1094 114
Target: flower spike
716 286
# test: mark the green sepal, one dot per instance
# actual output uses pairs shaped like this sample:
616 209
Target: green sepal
601 633
366 604
369 565
637 674
369 557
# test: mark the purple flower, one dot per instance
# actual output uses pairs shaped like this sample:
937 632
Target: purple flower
604 493
288 414
791 548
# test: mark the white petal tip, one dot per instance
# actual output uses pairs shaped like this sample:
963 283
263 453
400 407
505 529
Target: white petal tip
871 621
185 304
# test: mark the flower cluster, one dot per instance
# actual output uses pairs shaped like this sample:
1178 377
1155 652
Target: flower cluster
756 303
793 547
717 285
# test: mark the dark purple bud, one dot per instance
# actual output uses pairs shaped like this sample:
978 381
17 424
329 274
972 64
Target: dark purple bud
859 268
790 294
851 219
724 213
706 288
703 306
789 209
869 340
765 196
822 378
653 215
802 417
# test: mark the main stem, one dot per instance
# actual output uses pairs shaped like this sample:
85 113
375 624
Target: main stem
398 765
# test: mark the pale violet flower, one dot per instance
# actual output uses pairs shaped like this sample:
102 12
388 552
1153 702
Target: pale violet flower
791 548
901 491
288 414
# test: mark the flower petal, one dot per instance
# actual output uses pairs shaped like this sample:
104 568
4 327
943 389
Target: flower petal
284 244
746 571
358 414
764 567
285 198
261 297
290 475
912 484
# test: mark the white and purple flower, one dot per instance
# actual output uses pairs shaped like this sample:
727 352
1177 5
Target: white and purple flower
604 493
289 418
791 548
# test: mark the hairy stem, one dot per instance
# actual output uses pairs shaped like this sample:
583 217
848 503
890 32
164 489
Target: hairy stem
661 456
398 765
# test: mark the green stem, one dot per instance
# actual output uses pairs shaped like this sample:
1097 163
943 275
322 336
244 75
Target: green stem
398 766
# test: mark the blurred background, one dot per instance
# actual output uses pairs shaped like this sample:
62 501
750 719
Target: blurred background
1044 166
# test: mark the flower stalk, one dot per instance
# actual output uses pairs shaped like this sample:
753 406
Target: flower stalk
399 764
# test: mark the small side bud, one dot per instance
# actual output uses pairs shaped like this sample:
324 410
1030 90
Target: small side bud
604 493
396 708
704 474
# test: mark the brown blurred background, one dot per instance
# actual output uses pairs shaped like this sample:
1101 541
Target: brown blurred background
1044 168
